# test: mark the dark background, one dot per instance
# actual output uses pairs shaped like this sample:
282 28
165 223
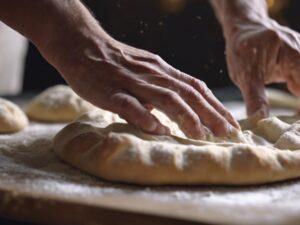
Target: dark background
185 33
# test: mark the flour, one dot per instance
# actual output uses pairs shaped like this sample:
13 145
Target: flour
28 165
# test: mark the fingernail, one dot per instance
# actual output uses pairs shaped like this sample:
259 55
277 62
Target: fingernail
232 132
236 124
236 136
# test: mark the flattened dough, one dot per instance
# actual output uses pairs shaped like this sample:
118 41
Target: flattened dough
102 144
12 118
57 104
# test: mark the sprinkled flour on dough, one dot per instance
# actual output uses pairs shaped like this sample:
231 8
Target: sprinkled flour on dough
29 165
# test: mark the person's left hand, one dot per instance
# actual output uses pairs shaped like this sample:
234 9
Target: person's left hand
260 53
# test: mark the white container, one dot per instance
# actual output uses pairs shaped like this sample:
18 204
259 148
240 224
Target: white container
13 48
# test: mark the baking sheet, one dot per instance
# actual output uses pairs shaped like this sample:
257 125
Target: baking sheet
29 167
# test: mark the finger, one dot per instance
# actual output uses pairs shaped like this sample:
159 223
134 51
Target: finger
130 109
155 68
205 92
255 98
217 122
148 106
201 87
170 103
294 85
208 114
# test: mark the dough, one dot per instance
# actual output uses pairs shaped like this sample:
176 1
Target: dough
278 98
12 118
57 104
102 144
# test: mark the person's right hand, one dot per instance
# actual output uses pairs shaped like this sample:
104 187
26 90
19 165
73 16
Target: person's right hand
130 82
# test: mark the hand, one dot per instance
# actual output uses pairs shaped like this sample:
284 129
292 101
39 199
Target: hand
130 82
260 53
114 76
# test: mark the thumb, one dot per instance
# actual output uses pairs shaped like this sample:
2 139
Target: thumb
256 100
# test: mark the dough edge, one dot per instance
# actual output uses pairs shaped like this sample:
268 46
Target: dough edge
118 152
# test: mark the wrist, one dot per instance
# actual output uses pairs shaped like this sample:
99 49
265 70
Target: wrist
242 25
74 54
234 13
71 38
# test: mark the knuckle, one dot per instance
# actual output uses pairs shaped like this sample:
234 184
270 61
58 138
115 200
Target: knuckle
200 84
148 123
163 80
188 121
189 117
189 91
195 82
157 58
202 87
180 74
219 126
170 96
120 101
191 124
140 83
207 92
226 114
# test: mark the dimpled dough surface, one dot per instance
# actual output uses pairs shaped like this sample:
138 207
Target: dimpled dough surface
102 144
57 104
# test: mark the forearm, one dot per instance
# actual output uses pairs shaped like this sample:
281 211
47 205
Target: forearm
231 12
52 25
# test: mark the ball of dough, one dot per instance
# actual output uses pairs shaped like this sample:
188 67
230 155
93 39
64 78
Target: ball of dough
271 128
57 104
12 118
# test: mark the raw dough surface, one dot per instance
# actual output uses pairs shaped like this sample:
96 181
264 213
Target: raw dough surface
102 144
57 104
28 166
12 118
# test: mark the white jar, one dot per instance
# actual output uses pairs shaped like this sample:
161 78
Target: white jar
13 48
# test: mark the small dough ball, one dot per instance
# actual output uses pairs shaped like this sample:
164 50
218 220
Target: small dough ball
12 118
271 128
290 139
57 104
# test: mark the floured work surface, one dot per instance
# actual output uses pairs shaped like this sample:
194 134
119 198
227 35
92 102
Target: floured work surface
28 167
